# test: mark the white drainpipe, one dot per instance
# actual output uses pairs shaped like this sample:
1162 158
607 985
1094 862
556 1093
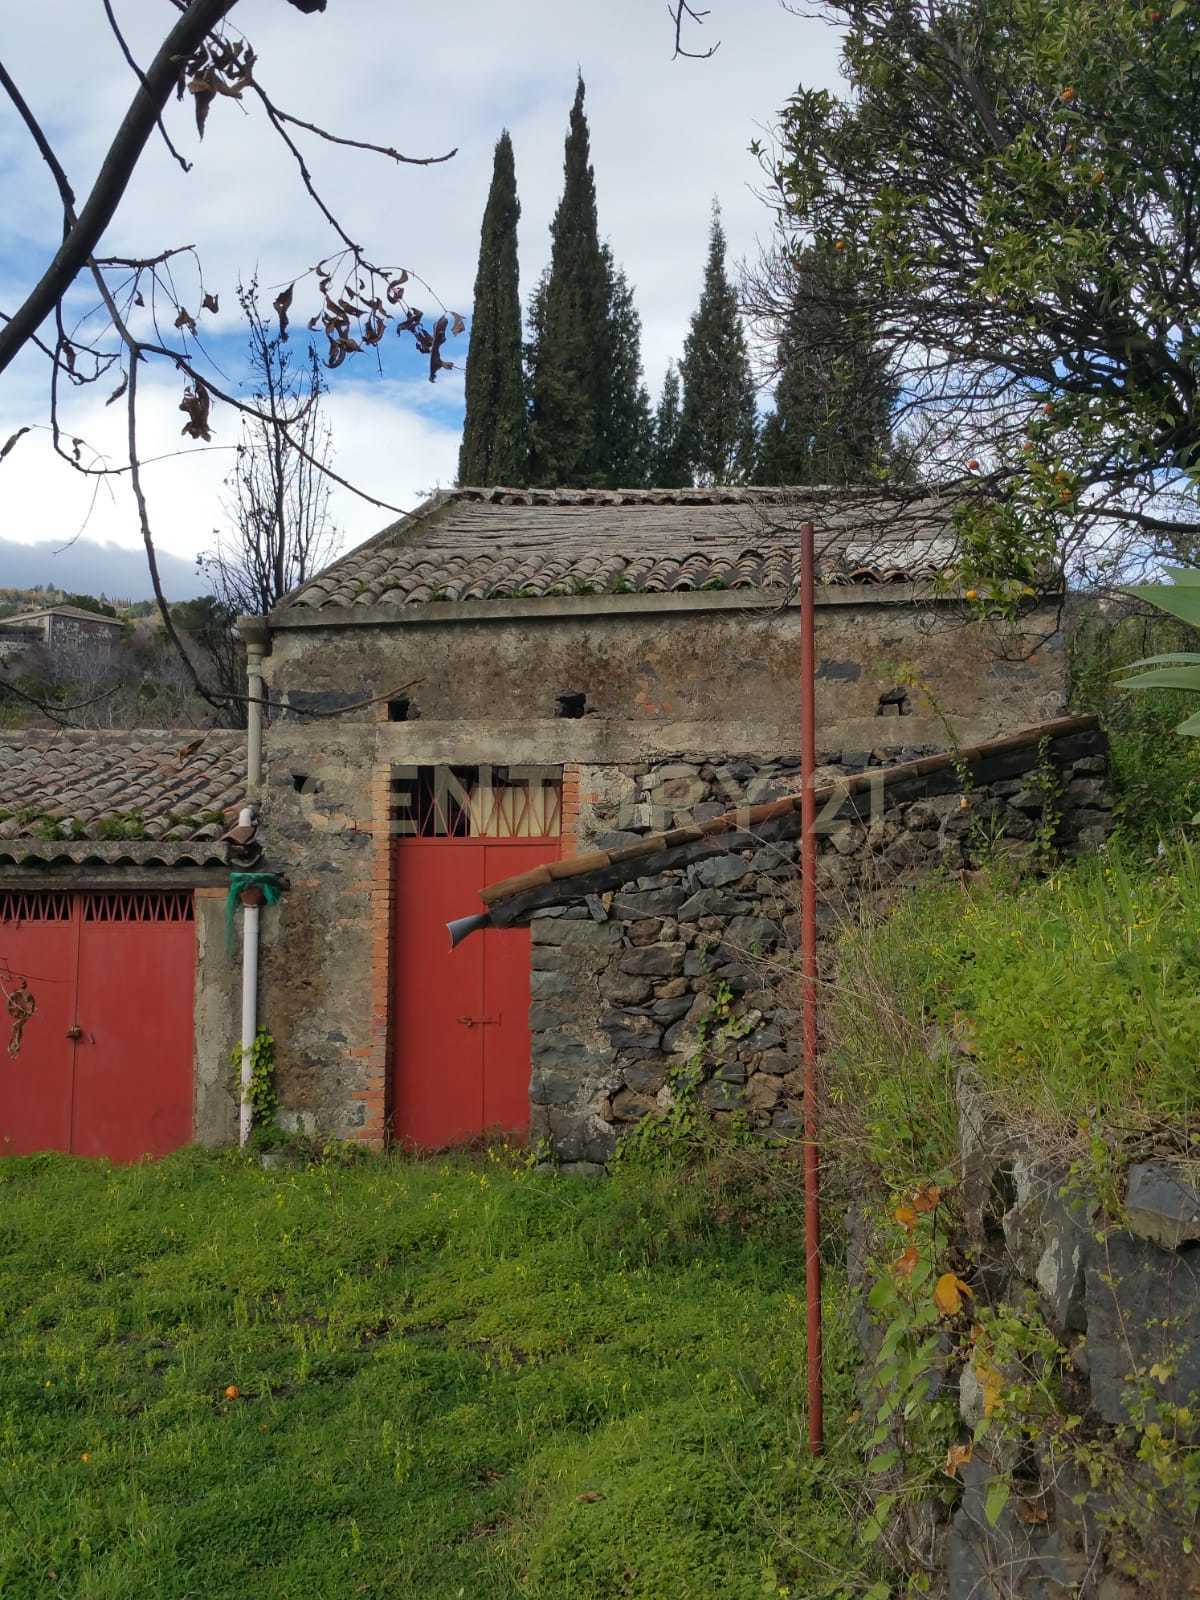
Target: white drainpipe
249 1012
254 633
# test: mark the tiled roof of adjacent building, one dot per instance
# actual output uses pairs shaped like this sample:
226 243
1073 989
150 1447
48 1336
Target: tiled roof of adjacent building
70 613
118 785
488 544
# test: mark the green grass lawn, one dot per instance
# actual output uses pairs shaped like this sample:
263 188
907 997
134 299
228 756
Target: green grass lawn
454 1379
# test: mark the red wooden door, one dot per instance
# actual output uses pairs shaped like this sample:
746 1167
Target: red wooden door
460 1051
105 1066
38 931
135 1000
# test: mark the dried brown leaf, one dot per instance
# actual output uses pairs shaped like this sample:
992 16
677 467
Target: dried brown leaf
204 95
185 320
119 390
280 305
196 403
948 1294
457 325
436 362
12 439
906 1263
210 303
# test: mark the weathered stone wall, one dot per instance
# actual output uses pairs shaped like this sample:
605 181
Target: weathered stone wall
217 1022
1114 1279
632 798
319 943
640 980
704 659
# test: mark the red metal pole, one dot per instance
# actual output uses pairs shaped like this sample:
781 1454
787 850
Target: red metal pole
808 952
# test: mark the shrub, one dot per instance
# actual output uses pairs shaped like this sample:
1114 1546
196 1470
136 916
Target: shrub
1077 998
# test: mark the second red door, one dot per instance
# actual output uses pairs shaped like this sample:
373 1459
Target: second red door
460 1020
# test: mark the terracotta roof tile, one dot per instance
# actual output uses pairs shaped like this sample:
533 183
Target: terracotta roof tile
487 544
73 784
747 817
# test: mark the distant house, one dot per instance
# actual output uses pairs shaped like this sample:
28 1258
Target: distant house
64 627
13 641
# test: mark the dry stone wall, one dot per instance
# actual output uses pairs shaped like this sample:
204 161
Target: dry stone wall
1083 1482
680 974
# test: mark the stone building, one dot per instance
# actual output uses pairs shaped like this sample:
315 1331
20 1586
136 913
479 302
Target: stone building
505 679
67 627
118 996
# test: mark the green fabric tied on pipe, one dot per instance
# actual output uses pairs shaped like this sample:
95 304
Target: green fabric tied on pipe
271 888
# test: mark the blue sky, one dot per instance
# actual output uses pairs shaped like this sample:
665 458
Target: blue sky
666 136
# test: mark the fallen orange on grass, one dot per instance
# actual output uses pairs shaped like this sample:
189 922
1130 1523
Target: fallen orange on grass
232 1392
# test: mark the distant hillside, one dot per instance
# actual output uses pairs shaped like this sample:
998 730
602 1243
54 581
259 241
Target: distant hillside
88 567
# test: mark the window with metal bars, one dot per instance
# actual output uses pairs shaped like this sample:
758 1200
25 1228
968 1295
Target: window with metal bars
139 905
482 802
34 905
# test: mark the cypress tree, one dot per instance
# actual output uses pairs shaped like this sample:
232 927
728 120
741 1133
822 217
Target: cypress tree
495 445
719 415
834 396
670 468
569 359
626 428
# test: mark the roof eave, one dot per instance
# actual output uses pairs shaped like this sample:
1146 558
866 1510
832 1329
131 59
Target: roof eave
548 608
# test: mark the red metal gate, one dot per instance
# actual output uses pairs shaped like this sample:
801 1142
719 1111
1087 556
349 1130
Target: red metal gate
460 1051
104 1064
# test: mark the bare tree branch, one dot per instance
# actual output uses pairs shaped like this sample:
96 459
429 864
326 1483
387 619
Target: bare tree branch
353 144
128 54
66 193
115 172
680 13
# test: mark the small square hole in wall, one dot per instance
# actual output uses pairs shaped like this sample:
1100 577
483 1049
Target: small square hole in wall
571 705
397 710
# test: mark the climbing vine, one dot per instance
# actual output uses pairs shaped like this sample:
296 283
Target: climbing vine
260 1093
954 1382
668 1135
20 1005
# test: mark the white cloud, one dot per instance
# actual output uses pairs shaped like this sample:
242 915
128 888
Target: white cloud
666 136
